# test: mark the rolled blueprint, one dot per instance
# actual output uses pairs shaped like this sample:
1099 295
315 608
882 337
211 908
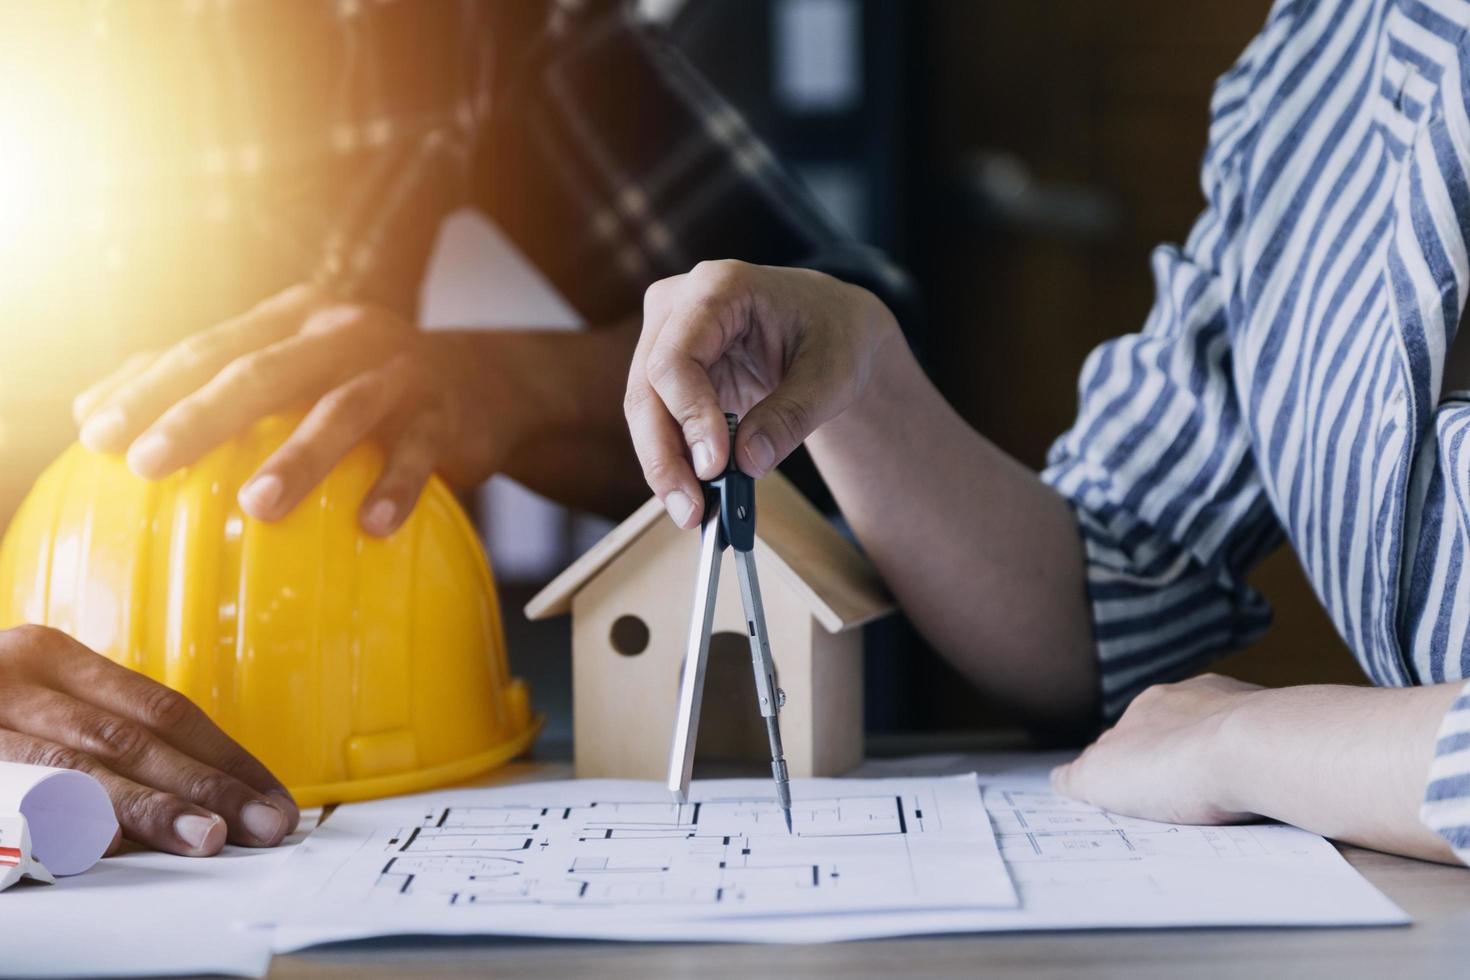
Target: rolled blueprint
69 815
16 859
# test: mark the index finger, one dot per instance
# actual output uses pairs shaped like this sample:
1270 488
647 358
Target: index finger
136 753
96 680
85 403
655 434
113 421
709 310
267 380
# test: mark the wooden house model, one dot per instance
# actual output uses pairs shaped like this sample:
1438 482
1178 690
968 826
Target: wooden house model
631 597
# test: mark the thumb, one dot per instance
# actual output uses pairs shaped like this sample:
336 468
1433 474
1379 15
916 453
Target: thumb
807 397
1061 779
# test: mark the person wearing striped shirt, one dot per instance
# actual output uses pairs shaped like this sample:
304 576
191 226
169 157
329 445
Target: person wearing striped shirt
1301 380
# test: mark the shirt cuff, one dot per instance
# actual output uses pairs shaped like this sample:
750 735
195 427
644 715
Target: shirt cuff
1158 613
1446 808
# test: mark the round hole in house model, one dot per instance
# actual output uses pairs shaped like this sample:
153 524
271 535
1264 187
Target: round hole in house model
629 635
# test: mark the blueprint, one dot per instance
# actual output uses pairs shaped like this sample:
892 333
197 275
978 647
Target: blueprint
1073 866
1078 867
574 855
713 854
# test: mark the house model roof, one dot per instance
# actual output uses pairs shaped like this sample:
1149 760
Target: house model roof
840 587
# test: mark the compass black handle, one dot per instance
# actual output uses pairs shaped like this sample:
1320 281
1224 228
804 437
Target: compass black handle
735 492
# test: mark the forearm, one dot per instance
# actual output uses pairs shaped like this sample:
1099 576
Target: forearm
1349 763
546 407
984 558
595 472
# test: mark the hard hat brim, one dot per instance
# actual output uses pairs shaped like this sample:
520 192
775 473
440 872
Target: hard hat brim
417 780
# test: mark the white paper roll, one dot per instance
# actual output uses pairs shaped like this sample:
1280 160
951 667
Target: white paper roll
17 859
70 817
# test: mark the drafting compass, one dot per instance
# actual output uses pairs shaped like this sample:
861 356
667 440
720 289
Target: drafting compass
729 522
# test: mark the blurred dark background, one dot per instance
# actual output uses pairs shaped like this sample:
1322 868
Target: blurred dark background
1021 158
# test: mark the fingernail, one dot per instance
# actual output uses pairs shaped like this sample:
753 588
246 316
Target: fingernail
263 821
702 458
101 432
194 830
679 506
147 455
379 517
760 454
261 494
288 806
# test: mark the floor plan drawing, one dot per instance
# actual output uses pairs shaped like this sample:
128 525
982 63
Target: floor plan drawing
620 852
1039 826
609 846
723 850
874 857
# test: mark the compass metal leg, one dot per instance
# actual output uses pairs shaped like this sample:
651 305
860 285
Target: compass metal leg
696 655
769 695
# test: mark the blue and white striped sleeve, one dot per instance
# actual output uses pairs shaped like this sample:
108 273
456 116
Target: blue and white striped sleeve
1158 465
1446 807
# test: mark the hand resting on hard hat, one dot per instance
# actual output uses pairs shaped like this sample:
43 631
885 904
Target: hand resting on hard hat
365 373
178 783
788 348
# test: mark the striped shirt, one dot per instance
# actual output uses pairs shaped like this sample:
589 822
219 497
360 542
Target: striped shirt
1289 382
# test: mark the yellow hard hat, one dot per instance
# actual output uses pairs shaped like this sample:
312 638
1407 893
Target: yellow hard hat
353 667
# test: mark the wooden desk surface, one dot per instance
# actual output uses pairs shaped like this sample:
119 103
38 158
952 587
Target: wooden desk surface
1436 945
